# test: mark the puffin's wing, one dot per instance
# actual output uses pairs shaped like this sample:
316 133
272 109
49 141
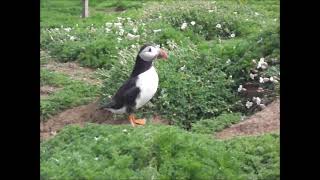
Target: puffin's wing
126 95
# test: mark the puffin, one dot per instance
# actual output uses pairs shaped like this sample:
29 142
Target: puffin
140 87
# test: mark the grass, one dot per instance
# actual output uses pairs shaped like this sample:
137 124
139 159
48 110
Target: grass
73 93
156 152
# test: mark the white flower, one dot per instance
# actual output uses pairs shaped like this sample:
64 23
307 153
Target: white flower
249 104
235 12
254 61
135 30
261 80
275 19
160 17
266 79
157 30
121 31
259 40
119 39
129 18
119 18
247 19
183 67
218 26
262 64
271 79
72 38
133 46
184 25
67 29
257 100
252 75
192 23
132 36
96 138
109 24
262 106
117 24
108 30
96 159
240 88
210 10
125 130
232 35
257 14
228 61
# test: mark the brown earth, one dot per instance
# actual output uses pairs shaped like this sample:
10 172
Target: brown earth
81 115
265 121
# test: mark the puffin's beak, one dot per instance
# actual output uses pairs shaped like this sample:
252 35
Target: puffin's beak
163 54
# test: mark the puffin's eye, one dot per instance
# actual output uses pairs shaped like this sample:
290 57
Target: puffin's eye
150 50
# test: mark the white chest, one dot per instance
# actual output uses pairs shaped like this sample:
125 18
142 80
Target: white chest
148 84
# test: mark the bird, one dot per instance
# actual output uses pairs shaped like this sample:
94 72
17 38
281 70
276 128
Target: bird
140 87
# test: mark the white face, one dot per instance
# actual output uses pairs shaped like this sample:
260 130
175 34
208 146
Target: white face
149 53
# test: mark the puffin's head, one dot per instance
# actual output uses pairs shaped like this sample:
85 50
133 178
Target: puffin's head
149 52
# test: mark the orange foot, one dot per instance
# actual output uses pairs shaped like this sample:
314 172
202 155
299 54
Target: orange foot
135 121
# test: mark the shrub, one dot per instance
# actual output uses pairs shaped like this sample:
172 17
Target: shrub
155 152
210 126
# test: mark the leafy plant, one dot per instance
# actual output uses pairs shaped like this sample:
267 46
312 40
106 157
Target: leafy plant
158 152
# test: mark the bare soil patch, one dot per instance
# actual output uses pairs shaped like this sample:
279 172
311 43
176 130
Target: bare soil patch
81 115
265 121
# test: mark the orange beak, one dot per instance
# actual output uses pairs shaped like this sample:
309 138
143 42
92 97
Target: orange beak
163 54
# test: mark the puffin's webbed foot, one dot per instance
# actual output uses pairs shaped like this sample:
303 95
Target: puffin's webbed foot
135 121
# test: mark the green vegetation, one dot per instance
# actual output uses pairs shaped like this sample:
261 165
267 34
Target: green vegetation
72 93
156 152
210 126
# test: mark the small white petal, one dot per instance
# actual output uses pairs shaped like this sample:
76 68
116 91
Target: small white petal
266 79
262 106
252 76
240 88
249 104
261 80
157 30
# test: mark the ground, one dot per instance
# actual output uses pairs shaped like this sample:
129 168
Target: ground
265 121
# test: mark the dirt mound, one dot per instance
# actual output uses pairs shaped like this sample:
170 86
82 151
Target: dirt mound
265 121
81 115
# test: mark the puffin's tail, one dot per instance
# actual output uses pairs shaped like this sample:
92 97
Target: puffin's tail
107 105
